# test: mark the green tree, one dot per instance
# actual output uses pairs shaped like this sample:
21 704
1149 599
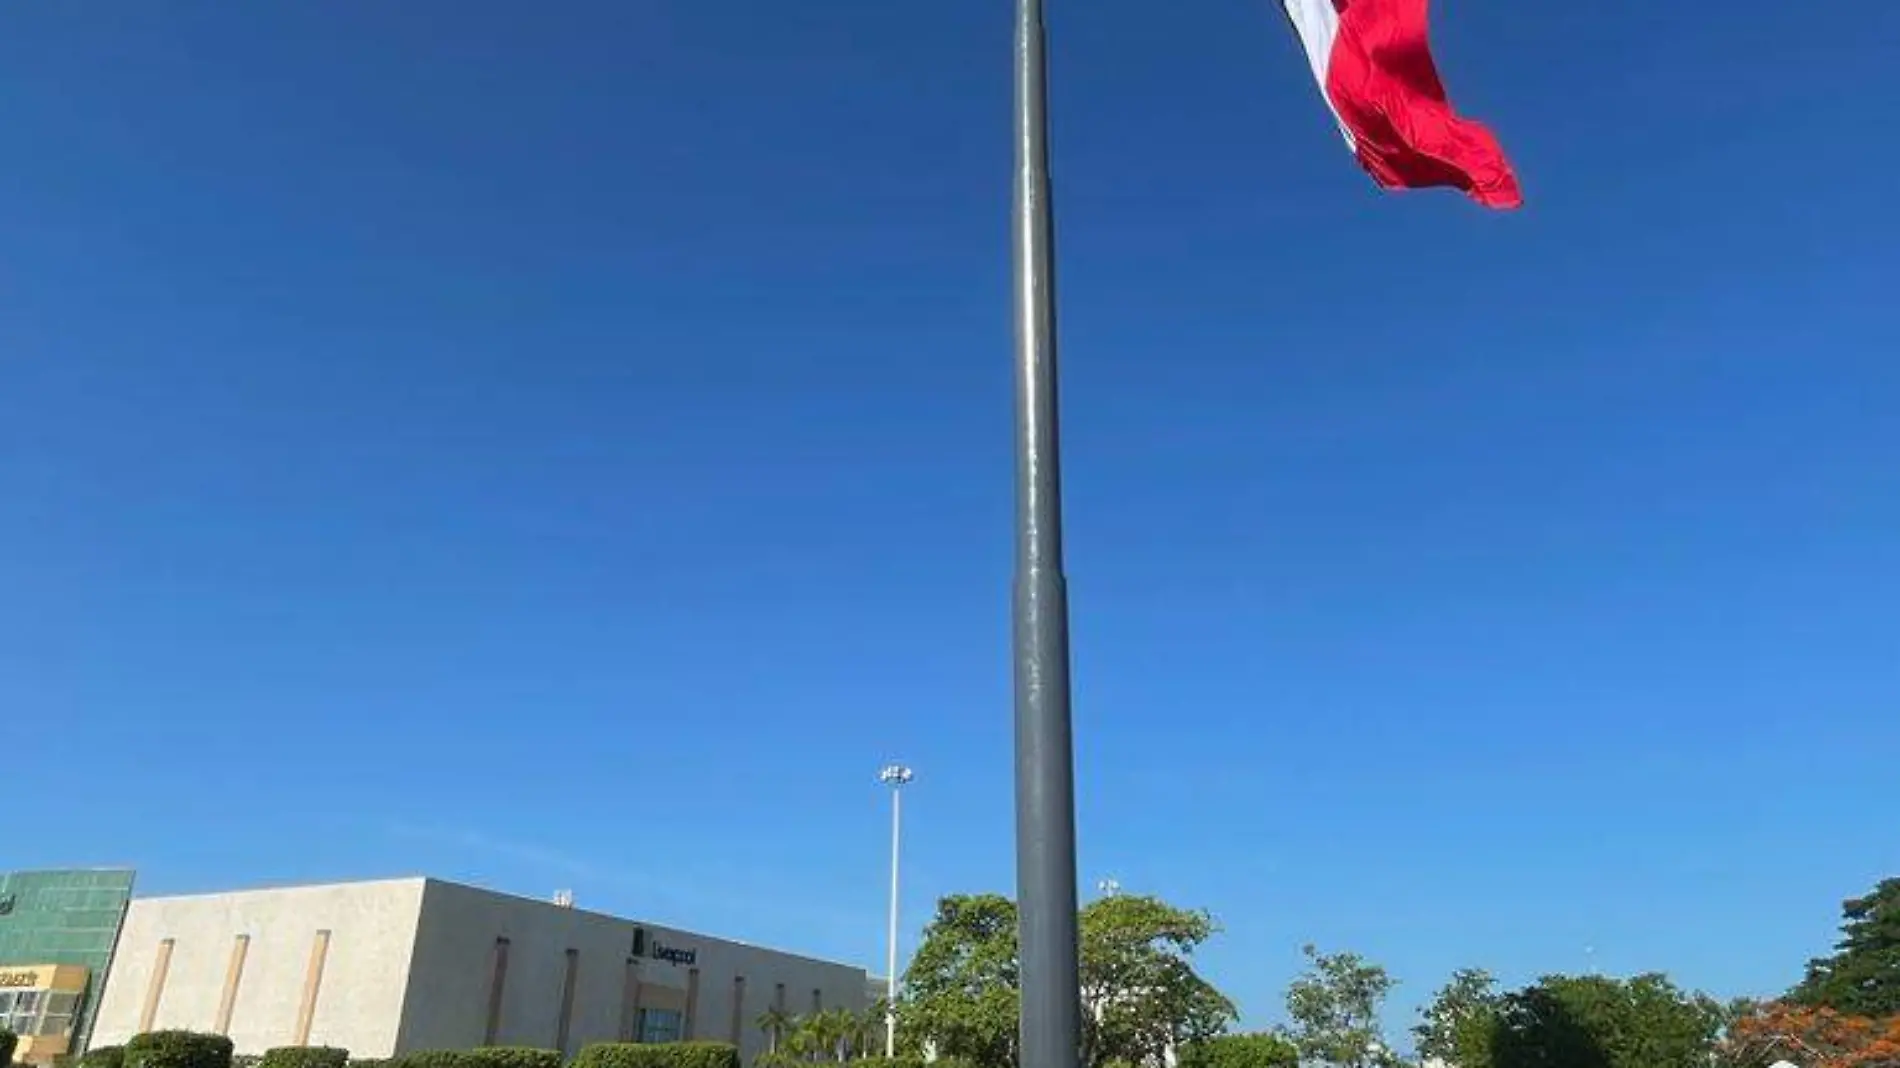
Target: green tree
960 991
1333 1009
1599 1022
1456 1027
1140 992
776 1023
873 1029
831 1033
1862 978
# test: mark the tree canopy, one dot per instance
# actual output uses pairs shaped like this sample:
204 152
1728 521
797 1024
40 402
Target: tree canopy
1862 977
1457 1026
1333 1011
1598 1022
1140 992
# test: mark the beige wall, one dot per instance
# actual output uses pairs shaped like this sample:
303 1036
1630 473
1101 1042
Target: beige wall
448 1000
410 966
357 1004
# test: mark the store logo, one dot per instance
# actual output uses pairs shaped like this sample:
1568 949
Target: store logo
10 980
658 950
673 954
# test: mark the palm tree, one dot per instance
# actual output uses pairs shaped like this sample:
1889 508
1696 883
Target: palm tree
798 1039
831 1033
775 1021
873 1024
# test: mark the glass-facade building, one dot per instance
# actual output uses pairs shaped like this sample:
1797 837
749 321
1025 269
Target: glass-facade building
57 934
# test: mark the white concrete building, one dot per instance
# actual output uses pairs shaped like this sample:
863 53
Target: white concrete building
381 968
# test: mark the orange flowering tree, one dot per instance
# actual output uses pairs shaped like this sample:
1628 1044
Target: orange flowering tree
1811 1037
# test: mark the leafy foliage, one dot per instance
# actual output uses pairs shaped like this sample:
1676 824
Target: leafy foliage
1814 1037
1456 1028
177 1049
1140 994
1598 1022
659 1055
1333 1009
1862 978
1241 1051
961 990
304 1057
430 1058
99 1057
511 1057
8 1043
776 1023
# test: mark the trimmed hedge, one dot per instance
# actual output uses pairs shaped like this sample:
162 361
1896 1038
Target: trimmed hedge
1241 1051
430 1058
304 1057
103 1057
178 1049
512 1057
658 1055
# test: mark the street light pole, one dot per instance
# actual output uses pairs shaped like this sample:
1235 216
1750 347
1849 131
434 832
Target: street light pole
895 776
1051 1025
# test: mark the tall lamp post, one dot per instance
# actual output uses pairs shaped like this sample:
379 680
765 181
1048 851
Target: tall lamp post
895 776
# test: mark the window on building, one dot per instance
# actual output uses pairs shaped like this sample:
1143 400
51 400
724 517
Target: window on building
57 1017
22 1017
660 1025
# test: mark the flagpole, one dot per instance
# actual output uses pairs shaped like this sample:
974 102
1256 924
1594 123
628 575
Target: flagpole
1045 768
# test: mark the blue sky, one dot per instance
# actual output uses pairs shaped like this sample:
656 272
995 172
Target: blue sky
570 448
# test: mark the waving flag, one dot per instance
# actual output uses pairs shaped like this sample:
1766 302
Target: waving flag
1376 71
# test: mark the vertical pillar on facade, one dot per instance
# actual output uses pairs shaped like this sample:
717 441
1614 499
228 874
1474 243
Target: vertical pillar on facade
630 1002
155 989
690 1030
233 975
817 1001
312 983
497 982
567 1001
738 1011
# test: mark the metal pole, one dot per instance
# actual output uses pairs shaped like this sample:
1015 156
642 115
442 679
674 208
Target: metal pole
1045 769
890 971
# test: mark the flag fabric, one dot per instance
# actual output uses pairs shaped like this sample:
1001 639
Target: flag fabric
1376 71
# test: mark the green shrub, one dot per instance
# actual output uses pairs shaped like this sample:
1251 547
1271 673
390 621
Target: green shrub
1241 1051
658 1055
103 1057
8 1040
178 1049
304 1057
953 1062
511 1057
431 1058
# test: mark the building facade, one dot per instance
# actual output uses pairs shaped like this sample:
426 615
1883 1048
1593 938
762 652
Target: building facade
57 931
384 968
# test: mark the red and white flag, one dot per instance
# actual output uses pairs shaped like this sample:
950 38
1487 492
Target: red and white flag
1376 70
